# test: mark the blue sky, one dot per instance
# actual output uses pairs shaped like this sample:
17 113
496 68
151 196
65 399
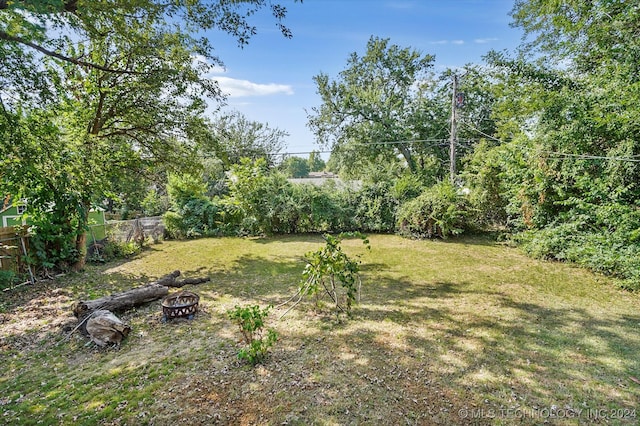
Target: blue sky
271 79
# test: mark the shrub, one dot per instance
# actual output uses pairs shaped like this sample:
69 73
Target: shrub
324 208
154 204
108 249
269 203
8 279
52 245
407 187
120 250
258 341
438 212
199 217
603 238
184 188
375 207
174 225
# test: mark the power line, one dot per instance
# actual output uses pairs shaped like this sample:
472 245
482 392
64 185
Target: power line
565 156
483 133
424 143
437 142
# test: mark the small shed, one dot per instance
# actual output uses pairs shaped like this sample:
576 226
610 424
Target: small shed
97 226
12 215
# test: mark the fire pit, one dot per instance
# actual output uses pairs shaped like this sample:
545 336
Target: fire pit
180 304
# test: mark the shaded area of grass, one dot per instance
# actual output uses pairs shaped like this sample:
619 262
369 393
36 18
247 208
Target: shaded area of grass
458 332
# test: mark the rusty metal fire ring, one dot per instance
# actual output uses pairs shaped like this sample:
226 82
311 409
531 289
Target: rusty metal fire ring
180 304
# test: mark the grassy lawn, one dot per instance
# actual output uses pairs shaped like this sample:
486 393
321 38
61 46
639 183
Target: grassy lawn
459 332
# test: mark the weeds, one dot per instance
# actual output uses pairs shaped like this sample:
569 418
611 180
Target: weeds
258 341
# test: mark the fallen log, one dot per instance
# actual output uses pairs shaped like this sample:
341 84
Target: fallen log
170 280
136 296
121 301
182 283
167 280
96 319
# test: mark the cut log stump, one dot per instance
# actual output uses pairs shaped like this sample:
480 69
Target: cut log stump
104 328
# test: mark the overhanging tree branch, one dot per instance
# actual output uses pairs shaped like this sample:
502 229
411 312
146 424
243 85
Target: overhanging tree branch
67 6
50 53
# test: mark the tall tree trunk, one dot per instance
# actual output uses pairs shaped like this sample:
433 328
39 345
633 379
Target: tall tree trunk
406 153
81 246
81 238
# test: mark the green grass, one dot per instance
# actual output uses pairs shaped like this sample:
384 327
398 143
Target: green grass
444 329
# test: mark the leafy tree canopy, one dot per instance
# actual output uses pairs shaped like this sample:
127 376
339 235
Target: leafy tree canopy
234 136
315 162
31 29
295 167
389 106
375 102
118 87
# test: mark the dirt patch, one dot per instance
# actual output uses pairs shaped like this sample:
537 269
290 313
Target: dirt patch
44 312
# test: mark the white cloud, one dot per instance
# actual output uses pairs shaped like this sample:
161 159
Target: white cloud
448 42
197 58
235 88
484 40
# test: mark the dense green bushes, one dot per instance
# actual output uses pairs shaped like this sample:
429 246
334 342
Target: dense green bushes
440 211
263 201
605 239
558 209
51 246
504 190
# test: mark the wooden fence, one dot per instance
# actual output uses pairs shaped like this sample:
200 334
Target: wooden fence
14 245
131 230
14 241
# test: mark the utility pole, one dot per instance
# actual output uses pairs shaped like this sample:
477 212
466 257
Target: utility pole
453 140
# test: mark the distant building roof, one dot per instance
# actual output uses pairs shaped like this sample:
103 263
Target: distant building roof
319 181
323 175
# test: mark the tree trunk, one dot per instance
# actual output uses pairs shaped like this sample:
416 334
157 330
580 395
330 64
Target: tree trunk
136 296
121 301
81 239
81 246
406 153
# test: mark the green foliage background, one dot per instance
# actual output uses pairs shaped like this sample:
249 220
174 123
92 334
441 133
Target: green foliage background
547 154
